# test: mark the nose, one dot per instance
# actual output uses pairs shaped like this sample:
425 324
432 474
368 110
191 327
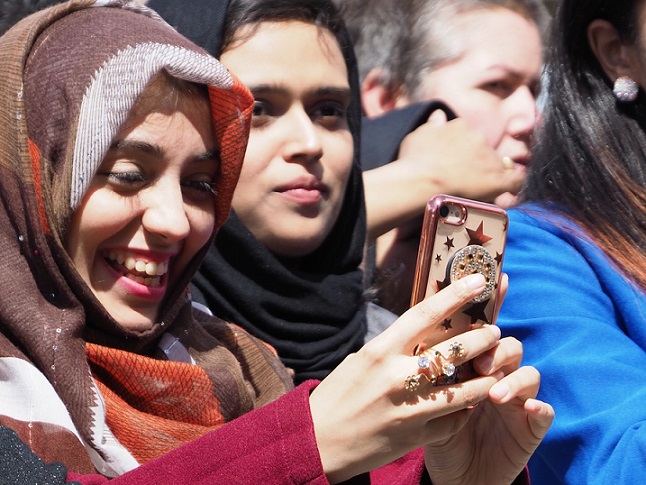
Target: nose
523 113
303 142
165 212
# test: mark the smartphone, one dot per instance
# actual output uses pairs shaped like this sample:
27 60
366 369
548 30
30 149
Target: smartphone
461 237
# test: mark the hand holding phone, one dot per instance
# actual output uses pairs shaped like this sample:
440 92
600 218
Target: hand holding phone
461 237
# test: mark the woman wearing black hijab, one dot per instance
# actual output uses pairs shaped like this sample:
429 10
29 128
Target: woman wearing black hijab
305 299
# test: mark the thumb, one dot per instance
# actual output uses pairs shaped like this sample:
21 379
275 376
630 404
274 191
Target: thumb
437 118
513 180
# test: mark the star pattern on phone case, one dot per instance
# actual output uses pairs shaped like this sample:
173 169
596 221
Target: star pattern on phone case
444 283
478 236
476 312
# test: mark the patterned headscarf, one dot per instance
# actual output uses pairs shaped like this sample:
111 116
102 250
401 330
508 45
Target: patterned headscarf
70 77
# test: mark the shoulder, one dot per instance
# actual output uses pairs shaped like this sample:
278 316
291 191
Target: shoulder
536 229
555 268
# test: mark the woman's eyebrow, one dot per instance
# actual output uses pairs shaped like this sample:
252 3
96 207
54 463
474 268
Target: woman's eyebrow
138 145
157 151
334 91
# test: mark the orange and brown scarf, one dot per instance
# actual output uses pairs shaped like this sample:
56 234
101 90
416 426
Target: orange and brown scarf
77 387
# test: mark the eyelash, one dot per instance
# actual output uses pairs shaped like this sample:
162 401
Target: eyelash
500 87
326 113
338 110
125 178
206 187
135 178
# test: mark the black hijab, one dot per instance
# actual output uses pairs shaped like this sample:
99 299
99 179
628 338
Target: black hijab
314 316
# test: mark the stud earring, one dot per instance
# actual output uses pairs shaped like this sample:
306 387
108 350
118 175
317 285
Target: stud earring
625 89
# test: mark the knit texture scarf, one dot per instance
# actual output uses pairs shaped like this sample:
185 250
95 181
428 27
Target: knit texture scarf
313 314
70 75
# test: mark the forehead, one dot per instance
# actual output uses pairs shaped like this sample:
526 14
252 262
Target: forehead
279 50
165 93
486 36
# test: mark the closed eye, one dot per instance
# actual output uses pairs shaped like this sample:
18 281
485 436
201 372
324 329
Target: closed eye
200 186
124 181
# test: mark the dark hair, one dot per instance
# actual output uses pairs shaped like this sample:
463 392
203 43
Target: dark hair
590 154
321 13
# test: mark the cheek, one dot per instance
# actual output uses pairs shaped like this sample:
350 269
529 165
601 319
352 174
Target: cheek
260 152
482 111
263 146
339 150
202 223
89 226
486 118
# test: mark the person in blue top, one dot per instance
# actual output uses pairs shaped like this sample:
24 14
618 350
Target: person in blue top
576 255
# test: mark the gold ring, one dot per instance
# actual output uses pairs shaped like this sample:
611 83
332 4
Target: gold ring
456 350
441 367
412 382
448 368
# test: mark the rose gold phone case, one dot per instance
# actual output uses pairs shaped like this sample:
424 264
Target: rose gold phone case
470 239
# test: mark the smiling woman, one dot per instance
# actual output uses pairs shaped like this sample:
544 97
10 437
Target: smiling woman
157 178
105 217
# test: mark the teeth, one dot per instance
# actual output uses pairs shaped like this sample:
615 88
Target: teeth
130 263
153 282
153 269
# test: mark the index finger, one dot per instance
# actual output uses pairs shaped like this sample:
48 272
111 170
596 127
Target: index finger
418 321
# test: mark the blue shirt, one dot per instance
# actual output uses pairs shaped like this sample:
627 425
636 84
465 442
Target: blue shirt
583 326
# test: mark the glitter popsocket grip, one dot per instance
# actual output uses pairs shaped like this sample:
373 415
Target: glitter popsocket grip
471 260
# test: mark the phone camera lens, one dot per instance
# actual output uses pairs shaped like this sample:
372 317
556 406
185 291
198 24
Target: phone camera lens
444 211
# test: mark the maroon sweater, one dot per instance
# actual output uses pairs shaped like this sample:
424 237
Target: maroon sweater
271 445
278 448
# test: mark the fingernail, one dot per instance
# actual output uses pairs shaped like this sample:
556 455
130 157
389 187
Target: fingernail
437 117
496 330
499 390
475 281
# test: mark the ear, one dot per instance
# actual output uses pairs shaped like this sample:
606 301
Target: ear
615 58
376 97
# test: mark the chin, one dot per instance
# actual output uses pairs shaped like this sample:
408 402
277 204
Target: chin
138 327
506 200
298 248
133 321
